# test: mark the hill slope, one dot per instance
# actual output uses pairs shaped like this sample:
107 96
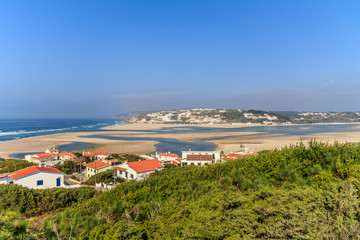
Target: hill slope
299 192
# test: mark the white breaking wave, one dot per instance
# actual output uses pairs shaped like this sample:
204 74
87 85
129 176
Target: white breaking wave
31 132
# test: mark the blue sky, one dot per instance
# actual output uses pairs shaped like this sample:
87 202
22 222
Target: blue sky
101 58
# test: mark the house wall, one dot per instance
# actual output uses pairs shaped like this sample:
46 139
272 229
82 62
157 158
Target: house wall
196 163
130 174
216 154
49 180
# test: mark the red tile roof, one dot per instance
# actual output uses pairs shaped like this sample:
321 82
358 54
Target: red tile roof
102 153
88 154
97 164
198 157
43 155
145 165
120 168
232 155
168 154
66 154
31 170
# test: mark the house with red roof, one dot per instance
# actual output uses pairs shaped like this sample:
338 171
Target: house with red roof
237 155
35 177
200 158
101 155
138 170
168 158
65 156
52 150
96 167
50 158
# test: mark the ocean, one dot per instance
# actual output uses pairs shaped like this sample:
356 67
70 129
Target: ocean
13 129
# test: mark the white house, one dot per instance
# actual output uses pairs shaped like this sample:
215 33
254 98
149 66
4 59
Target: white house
52 150
168 158
138 170
65 156
200 158
35 177
101 155
50 158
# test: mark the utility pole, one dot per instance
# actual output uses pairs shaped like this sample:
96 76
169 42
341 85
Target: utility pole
95 173
114 175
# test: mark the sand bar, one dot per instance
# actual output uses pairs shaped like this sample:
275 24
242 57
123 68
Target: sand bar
225 141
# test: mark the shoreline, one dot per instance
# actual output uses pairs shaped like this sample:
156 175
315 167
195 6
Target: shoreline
155 126
225 141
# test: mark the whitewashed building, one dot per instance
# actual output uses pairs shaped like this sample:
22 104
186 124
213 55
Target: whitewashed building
138 170
200 158
168 158
35 177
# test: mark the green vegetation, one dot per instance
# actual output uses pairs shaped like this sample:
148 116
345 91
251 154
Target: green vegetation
103 177
31 202
69 167
298 192
11 165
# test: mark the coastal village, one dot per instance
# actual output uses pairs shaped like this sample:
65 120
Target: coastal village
45 173
241 117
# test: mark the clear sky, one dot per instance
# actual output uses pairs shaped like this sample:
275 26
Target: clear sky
72 58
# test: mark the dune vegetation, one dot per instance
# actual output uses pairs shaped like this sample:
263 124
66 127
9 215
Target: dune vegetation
300 192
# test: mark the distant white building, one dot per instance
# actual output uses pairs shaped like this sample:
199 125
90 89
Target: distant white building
35 177
50 158
138 170
168 158
200 158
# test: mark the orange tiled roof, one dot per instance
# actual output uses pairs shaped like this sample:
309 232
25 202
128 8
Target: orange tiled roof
97 164
120 168
198 157
67 154
168 154
145 165
43 155
88 154
102 153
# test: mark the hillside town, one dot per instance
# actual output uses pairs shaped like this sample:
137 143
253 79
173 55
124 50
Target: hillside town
208 116
44 172
238 116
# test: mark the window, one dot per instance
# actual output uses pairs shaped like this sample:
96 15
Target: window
12 182
132 175
199 164
40 182
192 163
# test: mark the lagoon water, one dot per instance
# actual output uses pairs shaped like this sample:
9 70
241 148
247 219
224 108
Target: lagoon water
176 146
12 129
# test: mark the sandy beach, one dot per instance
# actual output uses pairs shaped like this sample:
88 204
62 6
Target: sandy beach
225 141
